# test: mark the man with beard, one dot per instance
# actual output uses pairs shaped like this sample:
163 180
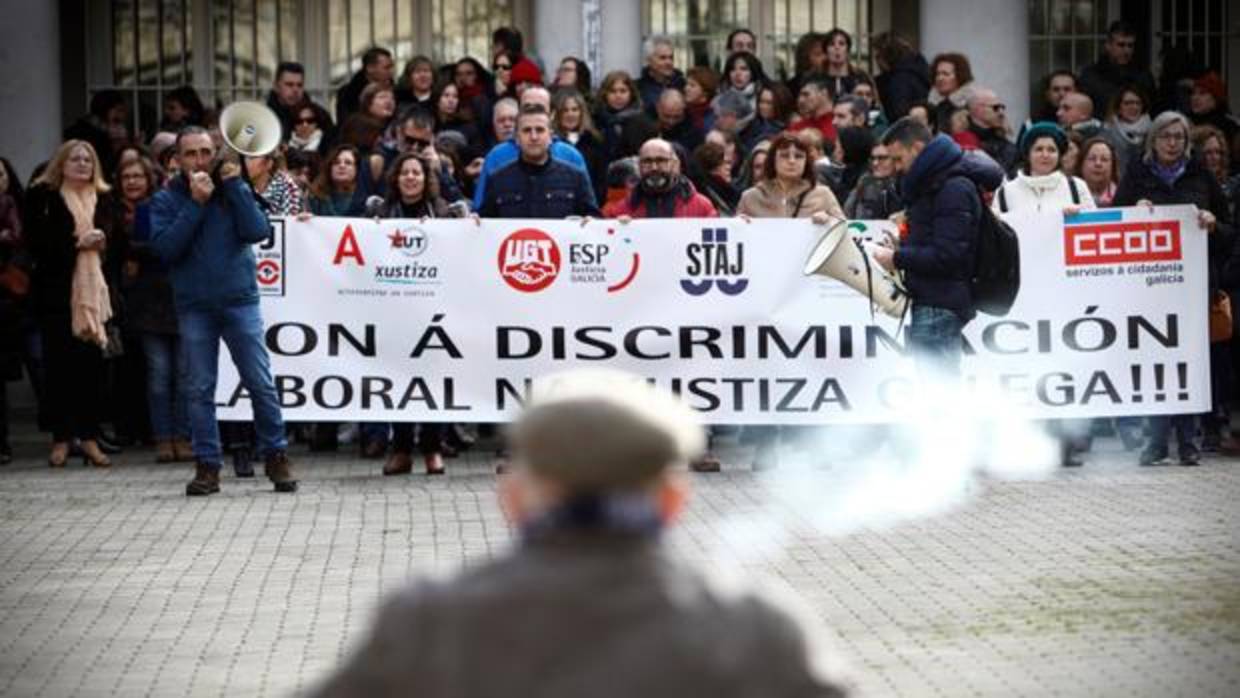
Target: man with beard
662 191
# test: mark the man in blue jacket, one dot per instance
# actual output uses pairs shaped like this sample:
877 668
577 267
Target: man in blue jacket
507 152
536 185
939 186
205 232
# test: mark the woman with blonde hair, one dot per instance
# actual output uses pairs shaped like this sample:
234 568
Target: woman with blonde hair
72 231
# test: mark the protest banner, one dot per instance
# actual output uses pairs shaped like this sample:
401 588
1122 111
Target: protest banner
448 320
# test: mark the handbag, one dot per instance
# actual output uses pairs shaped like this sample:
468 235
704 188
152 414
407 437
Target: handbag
1220 317
115 347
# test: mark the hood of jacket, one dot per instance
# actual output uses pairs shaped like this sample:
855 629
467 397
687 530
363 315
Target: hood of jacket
942 159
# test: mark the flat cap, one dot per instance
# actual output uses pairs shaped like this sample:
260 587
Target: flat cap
600 430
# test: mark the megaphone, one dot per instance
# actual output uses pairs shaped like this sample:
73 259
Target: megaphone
250 128
842 257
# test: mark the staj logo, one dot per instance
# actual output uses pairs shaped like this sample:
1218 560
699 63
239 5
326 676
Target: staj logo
715 262
1104 237
529 260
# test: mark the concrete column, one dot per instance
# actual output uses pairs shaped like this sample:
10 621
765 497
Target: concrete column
29 83
622 37
997 44
557 32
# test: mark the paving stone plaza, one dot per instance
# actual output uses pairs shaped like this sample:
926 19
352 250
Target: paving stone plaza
1108 580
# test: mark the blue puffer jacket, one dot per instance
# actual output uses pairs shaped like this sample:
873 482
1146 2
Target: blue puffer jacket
550 190
940 192
209 248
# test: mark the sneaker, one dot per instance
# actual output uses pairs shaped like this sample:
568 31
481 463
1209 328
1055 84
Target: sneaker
1190 456
1152 456
206 480
243 466
279 470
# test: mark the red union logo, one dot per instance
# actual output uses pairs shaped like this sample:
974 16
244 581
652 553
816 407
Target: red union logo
529 260
1117 243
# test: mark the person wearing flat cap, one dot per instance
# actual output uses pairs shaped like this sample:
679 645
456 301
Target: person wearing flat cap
588 603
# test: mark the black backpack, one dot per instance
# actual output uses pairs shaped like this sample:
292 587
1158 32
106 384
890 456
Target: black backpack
996 271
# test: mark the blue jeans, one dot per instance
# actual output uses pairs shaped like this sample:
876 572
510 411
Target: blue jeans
166 377
241 328
933 337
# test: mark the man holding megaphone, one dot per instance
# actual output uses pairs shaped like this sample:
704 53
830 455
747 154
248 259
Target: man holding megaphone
940 188
205 231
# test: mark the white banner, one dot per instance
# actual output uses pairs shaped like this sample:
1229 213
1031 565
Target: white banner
445 320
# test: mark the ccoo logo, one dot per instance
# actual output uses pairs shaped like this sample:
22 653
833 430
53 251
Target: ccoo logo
529 260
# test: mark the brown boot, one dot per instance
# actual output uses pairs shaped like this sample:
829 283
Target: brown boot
182 451
206 480
399 463
164 452
280 471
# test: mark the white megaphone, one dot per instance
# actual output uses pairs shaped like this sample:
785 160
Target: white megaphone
842 257
250 128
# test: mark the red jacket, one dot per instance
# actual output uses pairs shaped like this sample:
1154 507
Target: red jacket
823 123
687 203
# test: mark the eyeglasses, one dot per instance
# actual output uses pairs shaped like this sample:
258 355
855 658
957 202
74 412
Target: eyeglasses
998 107
417 143
653 162
1171 137
880 158
501 66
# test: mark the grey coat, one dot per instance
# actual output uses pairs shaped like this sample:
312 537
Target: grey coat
595 615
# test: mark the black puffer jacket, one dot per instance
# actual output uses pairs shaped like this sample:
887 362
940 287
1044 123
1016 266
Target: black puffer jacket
941 192
1199 188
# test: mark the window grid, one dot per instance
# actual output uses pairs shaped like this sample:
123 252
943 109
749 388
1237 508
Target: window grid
795 18
697 29
1202 25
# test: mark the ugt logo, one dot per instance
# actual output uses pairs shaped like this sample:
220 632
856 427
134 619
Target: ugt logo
715 262
529 260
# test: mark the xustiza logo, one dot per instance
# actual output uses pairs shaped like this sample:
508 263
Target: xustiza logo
1104 237
529 260
715 262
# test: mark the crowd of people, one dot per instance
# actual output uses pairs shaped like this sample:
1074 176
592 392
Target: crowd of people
89 310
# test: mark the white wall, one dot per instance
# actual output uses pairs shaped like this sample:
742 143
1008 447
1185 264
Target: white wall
557 33
994 35
29 82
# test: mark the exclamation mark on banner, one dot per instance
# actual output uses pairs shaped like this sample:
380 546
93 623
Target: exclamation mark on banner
1160 383
1136 383
1181 372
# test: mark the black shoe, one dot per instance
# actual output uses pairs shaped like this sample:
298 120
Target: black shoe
206 481
1069 455
1190 456
6 454
243 466
107 445
1151 456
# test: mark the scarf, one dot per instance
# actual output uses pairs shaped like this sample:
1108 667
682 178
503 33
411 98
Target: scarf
312 143
1168 173
1133 132
90 305
1041 185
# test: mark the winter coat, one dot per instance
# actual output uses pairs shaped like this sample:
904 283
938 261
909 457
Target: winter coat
11 252
905 84
506 153
48 229
209 247
943 209
649 87
592 151
683 201
612 124
149 303
348 97
766 199
1103 79
588 614
997 146
872 199
1195 186
287 115
1052 192
550 190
